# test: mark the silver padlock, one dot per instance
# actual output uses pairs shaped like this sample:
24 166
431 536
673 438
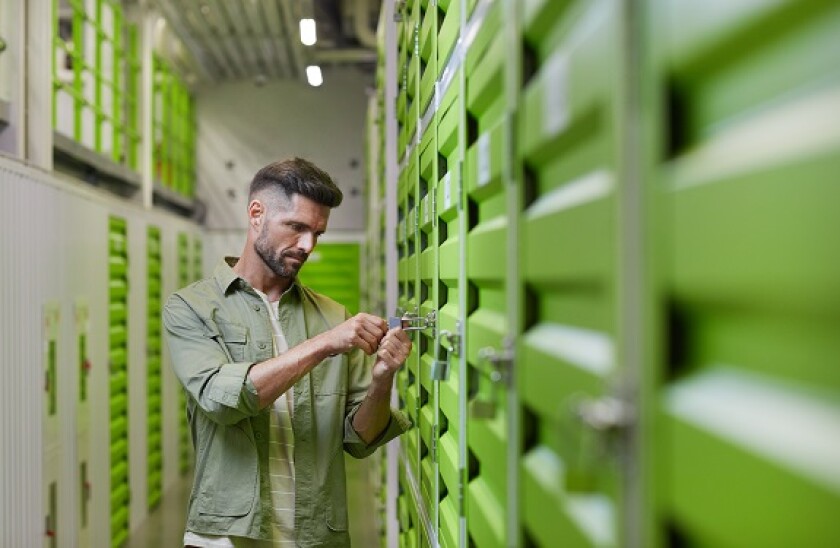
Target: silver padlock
482 409
440 370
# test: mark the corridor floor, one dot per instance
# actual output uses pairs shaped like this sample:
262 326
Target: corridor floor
164 527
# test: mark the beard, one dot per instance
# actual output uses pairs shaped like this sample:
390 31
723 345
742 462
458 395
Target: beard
276 261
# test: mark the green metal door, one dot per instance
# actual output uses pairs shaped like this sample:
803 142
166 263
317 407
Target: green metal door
118 377
449 119
569 354
486 247
426 339
744 186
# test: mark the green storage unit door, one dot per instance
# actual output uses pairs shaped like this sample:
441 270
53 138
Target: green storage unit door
184 279
118 377
568 354
405 50
449 121
487 258
333 269
449 27
409 301
426 339
427 18
405 379
153 368
746 192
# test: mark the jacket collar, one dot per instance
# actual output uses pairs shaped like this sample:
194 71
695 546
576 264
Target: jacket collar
227 278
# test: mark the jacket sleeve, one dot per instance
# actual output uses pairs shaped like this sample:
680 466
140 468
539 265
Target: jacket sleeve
219 386
358 376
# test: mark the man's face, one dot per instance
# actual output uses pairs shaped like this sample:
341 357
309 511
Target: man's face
289 233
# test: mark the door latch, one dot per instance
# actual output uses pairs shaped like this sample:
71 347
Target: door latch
497 366
413 322
451 342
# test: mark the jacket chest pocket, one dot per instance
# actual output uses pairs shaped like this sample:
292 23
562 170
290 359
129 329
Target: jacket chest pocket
235 339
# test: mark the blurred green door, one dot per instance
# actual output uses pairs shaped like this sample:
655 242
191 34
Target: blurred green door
744 186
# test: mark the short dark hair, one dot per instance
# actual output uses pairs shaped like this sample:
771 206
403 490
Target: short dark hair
297 176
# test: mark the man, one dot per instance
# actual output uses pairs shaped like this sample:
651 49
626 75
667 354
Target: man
277 378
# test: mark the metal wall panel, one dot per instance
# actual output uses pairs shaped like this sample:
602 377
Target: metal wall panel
62 255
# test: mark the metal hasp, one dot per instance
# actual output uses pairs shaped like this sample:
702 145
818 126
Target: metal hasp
595 431
399 10
451 342
605 414
413 322
497 366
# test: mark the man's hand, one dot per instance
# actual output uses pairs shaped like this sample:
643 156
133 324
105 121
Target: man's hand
393 351
363 331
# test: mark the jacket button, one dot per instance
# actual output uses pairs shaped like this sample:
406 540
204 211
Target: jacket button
258 435
257 307
261 345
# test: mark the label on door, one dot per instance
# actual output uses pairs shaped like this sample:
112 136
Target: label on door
447 191
483 159
556 94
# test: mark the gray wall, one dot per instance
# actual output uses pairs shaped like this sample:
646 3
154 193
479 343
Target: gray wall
242 127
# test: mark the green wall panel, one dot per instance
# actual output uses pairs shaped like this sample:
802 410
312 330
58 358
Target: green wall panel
118 378
153 368
184 279
334 270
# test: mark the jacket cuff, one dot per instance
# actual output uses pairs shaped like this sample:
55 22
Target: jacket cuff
233 388
353 444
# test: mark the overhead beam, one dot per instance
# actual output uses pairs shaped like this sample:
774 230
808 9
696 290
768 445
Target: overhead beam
173 19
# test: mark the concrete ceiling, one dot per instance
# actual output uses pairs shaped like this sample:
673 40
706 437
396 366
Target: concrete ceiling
212 41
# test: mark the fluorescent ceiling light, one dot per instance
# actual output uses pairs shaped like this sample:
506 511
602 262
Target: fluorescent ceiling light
313 75
307 32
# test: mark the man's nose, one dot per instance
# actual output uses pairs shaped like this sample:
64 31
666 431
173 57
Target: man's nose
306 242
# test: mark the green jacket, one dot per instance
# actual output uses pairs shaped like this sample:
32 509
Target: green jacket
217 329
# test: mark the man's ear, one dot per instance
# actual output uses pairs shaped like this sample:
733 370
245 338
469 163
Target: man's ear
256 213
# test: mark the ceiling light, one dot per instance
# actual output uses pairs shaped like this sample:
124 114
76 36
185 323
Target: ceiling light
313 75
307 32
